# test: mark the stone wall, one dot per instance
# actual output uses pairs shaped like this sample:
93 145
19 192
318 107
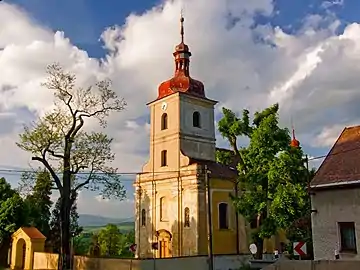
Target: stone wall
48 261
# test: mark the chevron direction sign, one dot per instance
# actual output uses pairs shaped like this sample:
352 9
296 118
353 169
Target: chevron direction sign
299 248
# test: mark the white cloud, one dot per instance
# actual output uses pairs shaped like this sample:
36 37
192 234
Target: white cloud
312 73
328 4
329 134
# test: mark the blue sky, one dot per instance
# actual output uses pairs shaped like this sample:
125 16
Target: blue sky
243 60
83 21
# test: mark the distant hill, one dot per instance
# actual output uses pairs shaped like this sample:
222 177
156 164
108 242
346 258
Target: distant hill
99 221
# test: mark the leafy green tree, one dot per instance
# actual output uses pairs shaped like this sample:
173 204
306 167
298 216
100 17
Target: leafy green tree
13 214
272 175
82 244
110 240
55 223
300 229
94 249
127 240
39 200
74 157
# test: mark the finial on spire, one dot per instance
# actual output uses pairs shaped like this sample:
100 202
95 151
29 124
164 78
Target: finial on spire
182 25
294 141
293 133
292 127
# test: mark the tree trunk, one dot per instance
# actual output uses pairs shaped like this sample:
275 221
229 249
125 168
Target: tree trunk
65 251
260 248
65 209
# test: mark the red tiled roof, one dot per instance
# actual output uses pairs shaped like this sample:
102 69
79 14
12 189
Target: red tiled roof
33 233
217 170
342 164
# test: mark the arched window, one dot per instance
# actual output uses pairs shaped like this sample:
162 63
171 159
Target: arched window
143 217
186 217
163 158
223 216
164 121
163 209
196 119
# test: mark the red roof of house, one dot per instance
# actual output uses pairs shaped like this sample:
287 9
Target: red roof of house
33 233
342 164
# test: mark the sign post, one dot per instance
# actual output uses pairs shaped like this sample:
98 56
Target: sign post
253 249
276 254
132 249
299 249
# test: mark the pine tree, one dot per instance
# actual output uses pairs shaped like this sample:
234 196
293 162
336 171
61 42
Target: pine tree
75 228
39 201
55 229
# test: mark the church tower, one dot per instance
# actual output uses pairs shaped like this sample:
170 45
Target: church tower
171 201
181 118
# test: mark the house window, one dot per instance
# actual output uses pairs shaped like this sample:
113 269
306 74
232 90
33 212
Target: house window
164 121
223 216
347 237
163 158
163 209
143 217
196 119
186 217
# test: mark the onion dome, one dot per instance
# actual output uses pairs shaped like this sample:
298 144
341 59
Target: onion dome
294 141
181 82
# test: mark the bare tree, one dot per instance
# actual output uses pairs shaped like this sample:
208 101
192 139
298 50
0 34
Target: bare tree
74 157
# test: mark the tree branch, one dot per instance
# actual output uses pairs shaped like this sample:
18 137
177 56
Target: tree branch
78 168
52 172
85 182
54 154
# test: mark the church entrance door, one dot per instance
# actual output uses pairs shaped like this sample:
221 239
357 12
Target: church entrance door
164 238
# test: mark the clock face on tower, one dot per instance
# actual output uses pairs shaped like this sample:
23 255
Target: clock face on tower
164 106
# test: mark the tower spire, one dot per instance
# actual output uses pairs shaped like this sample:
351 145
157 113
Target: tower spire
182 53
294 141
182 25
181 81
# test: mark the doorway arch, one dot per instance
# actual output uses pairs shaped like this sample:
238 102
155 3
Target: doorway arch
164 242
20 258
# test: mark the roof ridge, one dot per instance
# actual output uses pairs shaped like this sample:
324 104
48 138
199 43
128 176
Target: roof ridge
351 127
328 154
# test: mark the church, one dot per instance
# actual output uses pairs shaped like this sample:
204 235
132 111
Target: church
182 191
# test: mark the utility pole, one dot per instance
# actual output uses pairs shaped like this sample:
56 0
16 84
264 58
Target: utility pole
209 217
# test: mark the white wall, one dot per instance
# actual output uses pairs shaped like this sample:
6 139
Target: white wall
333 206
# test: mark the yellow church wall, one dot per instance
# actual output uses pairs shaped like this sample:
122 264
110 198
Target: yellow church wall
224 239
221 189
184 239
